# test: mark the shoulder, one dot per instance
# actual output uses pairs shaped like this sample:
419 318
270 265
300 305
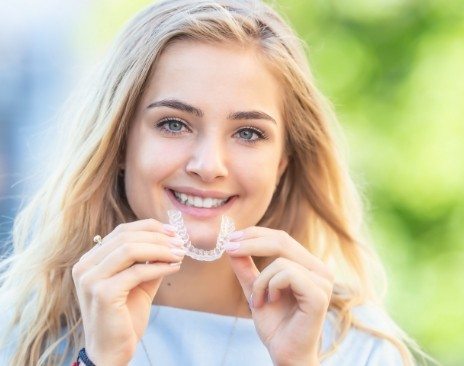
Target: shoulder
358 346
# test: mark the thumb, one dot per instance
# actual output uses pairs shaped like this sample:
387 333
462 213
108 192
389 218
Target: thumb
246 272
151 287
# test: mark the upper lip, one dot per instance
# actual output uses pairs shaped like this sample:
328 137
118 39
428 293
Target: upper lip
201 193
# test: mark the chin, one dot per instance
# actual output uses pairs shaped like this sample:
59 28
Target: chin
206 242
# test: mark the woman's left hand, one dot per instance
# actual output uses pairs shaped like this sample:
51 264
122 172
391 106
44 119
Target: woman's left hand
290 297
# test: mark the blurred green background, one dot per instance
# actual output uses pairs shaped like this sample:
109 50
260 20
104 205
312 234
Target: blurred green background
394 71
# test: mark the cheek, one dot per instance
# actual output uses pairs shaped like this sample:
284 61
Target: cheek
152 160
260 169
258 175
148 164
258 191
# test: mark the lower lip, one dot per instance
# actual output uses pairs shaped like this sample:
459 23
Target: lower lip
200 212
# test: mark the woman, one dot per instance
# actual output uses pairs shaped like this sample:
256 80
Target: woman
207 107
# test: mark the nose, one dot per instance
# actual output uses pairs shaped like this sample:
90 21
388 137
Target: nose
208 159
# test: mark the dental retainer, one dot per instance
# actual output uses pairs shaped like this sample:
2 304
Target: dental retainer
227 227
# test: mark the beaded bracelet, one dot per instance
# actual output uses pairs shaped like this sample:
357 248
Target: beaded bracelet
83 359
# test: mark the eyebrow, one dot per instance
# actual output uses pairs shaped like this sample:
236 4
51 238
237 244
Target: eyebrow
184 107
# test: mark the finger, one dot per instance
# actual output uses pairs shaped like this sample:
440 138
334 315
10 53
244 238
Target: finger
98 253
85 256
125 232
260 286
246 272
129 254
308 294
151 225
140 274
148 225
262 293
135 235
265 242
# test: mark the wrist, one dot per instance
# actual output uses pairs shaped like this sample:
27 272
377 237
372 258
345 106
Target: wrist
89 358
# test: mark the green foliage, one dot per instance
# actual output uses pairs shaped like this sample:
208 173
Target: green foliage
394 71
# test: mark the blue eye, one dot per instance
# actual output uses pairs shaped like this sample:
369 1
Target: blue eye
171 126
247 133
174 126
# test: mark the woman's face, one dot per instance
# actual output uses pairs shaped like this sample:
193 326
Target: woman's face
207 128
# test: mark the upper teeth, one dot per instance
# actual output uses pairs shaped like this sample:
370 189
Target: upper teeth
199 201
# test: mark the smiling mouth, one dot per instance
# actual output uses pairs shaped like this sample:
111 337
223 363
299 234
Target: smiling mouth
199 202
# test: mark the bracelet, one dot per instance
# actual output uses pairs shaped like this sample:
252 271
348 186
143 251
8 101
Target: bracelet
83 359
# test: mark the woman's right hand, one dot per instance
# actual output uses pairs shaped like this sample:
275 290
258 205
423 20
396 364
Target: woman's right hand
116 288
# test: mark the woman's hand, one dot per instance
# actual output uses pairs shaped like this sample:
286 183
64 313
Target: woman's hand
116 287
290 297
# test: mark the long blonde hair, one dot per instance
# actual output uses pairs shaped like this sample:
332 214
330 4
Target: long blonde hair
315 201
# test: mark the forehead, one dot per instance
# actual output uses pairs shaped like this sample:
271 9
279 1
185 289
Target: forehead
226 76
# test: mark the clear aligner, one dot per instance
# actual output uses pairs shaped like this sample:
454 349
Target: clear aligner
227 227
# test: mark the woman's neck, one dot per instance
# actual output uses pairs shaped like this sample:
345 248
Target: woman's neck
210 287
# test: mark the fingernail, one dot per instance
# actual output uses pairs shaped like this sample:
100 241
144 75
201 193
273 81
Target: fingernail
169 228
178 242
178 252
231 246
236 235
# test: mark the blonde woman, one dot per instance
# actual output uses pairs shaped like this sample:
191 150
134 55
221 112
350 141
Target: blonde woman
208 108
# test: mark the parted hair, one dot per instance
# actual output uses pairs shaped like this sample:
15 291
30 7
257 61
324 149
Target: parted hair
316 201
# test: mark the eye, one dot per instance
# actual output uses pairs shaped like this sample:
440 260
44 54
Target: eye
171 125
247 134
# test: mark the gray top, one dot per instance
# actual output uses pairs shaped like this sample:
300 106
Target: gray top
185 337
